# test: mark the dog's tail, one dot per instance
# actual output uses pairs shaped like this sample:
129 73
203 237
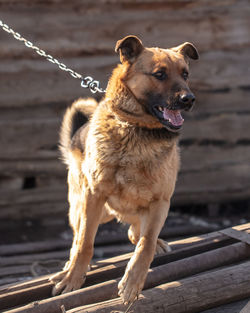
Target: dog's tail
75 116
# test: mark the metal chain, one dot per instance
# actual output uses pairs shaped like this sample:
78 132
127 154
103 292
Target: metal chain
86 82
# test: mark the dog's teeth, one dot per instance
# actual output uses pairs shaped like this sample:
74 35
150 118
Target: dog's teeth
160 109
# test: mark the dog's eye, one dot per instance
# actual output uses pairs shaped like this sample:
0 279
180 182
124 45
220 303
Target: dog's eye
185 75
161 75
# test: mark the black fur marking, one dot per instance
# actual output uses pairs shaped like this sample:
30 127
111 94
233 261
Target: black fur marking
156 133
79 138
78 120
153 99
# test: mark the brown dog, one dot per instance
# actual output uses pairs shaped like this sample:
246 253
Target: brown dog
123 158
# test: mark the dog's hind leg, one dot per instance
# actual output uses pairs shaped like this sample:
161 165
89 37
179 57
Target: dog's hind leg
134 233
134 236
90 213
162 247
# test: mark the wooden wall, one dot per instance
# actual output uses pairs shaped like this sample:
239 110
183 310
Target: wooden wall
34 93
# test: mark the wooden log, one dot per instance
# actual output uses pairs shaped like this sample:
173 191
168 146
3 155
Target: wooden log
158 275
188 295
13 270
34 247
29 258
197 244
100 252
10 280
224 255
184 247
242 306
103 241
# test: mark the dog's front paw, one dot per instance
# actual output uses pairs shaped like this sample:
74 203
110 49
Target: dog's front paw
162 247
130 286
66 281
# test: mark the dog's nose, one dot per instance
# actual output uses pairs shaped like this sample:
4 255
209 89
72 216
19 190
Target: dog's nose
187 99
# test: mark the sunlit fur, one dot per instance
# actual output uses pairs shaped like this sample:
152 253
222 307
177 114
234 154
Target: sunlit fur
123 164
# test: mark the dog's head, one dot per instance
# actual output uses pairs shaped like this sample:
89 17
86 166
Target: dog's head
158 79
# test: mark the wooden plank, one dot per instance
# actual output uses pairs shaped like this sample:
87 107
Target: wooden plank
228 88
213 185
242 306
186 295
201 186
228 127
34 93
211 241
193 149
221 26
42 135
29 258
33 167
156 276
13 270
222 155
239 235
42 145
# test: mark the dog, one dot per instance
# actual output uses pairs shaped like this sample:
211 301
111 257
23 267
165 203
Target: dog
123 158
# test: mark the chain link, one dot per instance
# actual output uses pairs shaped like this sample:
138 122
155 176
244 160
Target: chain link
86 82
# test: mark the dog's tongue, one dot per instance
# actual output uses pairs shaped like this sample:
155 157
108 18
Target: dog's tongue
173 116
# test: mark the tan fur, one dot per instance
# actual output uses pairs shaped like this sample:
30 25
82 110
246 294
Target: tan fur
125 166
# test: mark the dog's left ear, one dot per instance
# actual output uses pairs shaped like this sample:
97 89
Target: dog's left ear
129 47
188 50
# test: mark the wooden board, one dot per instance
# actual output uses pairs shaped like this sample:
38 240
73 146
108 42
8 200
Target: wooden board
34 93
213 258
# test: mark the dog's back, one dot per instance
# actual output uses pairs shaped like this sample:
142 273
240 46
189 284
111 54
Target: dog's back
75 119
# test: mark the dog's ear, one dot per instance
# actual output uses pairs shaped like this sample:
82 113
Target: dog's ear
129 47
188 50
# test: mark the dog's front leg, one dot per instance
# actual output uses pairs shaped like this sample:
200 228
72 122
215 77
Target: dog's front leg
73 276
133 280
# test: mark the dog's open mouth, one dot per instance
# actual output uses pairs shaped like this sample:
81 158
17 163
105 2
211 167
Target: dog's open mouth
169 118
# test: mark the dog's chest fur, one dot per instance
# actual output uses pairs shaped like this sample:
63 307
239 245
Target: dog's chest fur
133 166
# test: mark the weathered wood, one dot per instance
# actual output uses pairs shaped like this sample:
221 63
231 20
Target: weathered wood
29 258
211 89
210 178
34 247
242 306
158 275
197 244
42 147
175 268
211 186
16 269
188 295
74 37
107 242
34 92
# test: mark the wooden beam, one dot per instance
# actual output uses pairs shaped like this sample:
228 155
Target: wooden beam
242 306
174 265
156 276
187 295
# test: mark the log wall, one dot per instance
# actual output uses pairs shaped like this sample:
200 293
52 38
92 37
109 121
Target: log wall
34 94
